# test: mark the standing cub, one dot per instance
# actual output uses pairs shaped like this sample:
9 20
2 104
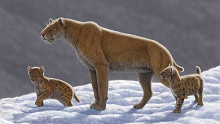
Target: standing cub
50 88
183 86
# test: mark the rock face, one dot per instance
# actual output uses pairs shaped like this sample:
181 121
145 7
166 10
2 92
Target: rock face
189 29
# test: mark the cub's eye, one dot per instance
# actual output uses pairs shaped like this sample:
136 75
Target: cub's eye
36 76
53 28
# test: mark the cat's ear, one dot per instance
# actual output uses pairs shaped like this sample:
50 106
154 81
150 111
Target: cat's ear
50 20
42 68
171 70
29 68
61 22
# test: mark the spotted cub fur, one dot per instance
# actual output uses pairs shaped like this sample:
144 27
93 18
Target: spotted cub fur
183 86
50 88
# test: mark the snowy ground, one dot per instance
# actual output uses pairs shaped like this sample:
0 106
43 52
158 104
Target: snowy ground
122 96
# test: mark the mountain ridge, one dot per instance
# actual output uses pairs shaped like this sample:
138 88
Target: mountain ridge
188 29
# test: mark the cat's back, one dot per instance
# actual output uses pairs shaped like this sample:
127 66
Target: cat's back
60 85
191 84
191 78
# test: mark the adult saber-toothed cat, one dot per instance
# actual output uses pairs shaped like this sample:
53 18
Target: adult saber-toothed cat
102 50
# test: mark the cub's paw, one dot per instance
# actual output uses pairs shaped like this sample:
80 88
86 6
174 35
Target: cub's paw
39 104
68 104
176 111
138 106
196 101
200 103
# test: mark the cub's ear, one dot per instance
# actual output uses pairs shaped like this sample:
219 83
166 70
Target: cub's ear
42 68
61 22
171 70
29 68
50 20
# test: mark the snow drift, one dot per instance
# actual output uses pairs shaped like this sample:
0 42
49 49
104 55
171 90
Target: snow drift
122 95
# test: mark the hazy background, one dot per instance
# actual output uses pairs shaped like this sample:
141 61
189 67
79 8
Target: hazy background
190 29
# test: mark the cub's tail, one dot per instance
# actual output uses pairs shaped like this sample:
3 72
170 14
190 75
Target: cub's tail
76 98
179 68
198 70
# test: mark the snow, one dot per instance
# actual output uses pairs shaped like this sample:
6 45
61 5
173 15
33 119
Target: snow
122 95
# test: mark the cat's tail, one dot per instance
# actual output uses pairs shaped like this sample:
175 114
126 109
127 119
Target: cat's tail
179 68
198 70
76 98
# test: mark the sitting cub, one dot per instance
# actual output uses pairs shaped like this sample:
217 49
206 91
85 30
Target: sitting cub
50 88
183 86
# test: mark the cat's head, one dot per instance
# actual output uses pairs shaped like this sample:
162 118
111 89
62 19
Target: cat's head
168 72
35 73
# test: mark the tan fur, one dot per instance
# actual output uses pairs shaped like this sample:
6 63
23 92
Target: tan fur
184 86
50 88
102 50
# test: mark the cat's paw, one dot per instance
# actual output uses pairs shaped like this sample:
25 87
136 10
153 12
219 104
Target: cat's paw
177 111
98 107
196 101
200 103
39 104
93 105
138 106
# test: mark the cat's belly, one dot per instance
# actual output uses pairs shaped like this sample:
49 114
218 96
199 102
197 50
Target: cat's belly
190 92
56 95
121 67
129 67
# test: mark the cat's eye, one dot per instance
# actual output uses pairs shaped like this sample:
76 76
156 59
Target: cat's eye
52 28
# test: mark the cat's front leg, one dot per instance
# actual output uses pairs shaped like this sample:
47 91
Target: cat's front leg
174 96
178 106
39 103
42 97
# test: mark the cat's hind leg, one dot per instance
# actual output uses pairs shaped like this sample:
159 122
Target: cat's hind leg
200 100
196 98
68 103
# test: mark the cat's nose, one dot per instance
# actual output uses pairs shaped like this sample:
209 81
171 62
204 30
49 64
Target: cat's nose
42 34
161 76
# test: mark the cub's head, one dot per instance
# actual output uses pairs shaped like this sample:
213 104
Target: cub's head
35 73
168 72
55 29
